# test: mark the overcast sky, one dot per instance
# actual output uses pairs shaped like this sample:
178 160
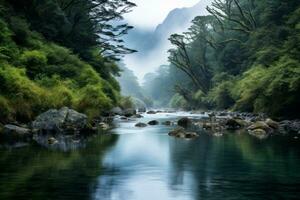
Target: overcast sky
149 13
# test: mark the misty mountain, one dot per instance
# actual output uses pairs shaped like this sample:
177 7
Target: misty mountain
177 21
153 46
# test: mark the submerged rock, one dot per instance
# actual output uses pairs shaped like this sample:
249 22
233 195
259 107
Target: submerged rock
167 123
234 124
61 120
16 133
141 125
151 112
259 133
181 133
153 122
260 125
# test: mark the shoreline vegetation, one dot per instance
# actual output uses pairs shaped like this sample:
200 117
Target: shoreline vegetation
243 56
59 53
66 129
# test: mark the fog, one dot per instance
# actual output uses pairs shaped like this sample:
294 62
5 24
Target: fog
150 39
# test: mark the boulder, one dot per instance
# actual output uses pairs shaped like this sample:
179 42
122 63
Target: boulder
289 127
17 133
184 122
60 120
181 133
271 123
151 112
140 125
235 124
129 112
190 135
176 131
260 125
153 122
137 116
167 123
259 133
116 111
124 118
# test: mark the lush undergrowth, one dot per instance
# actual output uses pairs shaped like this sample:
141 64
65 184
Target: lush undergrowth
37 74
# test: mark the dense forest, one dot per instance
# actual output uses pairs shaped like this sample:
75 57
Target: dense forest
244 56
56 53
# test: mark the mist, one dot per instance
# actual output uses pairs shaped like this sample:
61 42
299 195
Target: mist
153 45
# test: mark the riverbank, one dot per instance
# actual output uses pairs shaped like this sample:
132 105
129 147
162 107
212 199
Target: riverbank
60 129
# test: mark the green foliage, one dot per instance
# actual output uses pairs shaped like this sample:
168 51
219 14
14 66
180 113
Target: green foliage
93 101
244 56
273 90
37 74
126 102
6 112
178 101
220 96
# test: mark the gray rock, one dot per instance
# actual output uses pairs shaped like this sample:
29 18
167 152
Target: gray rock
167 123
260 125
153 122
259 133
60 120
116 111
17 133
137 116
129 112
289 127
233 124
151 112
184 122
141 125
181 133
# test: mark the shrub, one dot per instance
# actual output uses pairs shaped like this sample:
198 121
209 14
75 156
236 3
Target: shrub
126 102
178 101
93 101
220 96
34 61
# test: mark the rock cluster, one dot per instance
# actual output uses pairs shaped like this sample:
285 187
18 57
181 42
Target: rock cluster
182 133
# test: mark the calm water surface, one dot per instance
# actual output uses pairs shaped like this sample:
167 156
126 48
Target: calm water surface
146 164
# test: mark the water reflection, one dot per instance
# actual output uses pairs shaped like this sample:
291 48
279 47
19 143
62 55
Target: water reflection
38 173
146 164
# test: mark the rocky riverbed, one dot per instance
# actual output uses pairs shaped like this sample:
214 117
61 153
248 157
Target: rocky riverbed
65 127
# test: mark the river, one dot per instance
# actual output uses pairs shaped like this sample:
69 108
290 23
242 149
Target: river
130 163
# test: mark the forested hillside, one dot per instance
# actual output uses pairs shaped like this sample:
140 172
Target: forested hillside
56 53
244 56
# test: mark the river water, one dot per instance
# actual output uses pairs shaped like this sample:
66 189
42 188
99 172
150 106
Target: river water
133 163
